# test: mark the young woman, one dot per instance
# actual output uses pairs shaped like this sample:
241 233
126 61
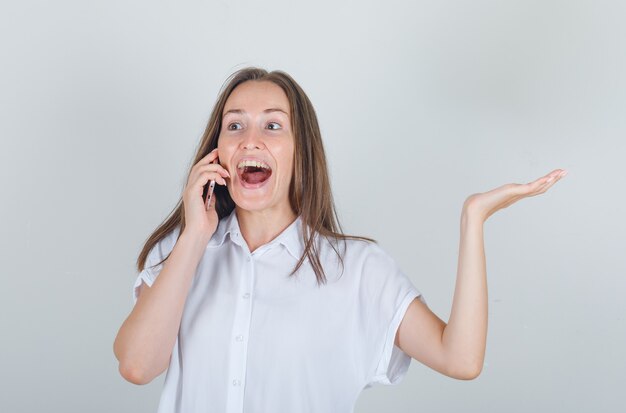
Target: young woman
260 303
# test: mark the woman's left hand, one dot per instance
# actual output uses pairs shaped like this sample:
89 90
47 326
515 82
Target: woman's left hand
483 205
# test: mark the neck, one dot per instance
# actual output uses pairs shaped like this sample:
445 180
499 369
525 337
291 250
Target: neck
260 227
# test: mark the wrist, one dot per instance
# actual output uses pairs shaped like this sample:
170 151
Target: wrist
470 217
194 237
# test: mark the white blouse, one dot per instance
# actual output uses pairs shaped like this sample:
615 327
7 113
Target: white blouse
253 339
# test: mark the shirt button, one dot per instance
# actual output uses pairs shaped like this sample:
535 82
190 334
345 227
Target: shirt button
248 259
239 337
246 295
236 382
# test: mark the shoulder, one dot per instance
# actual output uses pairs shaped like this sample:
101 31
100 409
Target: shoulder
166 244
360 250
159 252
172 237
357 255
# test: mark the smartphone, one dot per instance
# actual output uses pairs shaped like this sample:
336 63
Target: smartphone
207 192
207 201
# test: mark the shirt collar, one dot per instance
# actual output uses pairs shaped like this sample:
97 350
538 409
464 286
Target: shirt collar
291 237
226 225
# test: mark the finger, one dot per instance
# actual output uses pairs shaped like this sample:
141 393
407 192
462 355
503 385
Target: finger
206 177
214 167
197 186
537 187
545 180
199 169
543 184
208 158
551 183
217 174
556 174
528 189
554 178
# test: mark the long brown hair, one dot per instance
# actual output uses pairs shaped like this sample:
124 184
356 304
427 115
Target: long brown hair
309 191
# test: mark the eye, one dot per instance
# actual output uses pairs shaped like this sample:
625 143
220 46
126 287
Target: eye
274 123
234 123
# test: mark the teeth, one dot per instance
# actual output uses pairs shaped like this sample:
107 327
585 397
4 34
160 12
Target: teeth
249 162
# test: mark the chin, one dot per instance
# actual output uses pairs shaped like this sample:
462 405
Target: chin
251 202
247 205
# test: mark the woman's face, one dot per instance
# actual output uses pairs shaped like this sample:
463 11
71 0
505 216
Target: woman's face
256 146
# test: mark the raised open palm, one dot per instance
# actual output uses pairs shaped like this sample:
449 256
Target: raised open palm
486 203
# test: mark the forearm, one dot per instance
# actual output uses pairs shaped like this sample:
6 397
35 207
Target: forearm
145 341
465 336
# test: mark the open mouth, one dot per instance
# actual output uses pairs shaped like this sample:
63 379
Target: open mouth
253 173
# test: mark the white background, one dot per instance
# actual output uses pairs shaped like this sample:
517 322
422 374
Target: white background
421 103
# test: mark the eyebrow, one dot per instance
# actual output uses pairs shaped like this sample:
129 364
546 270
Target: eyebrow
240 111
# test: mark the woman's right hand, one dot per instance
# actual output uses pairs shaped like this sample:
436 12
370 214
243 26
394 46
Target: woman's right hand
198 219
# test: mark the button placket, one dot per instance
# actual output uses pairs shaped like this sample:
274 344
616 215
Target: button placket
237 363
241 325
247 295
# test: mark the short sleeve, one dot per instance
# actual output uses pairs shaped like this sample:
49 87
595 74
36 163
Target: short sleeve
389 291
151 270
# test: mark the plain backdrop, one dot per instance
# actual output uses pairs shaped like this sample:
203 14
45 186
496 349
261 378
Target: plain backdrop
421 104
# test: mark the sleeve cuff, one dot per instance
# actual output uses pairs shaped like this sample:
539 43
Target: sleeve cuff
394 363
144 276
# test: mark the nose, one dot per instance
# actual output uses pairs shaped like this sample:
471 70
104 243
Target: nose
252 140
